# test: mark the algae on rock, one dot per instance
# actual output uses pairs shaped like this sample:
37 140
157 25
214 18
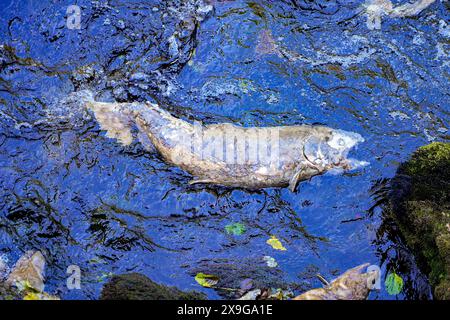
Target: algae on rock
420 203
135 286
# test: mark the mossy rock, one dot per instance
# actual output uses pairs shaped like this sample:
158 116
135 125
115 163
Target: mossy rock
429 170
136 286
423 212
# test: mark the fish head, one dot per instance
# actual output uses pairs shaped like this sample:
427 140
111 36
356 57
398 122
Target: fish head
329 149
356 283
364 274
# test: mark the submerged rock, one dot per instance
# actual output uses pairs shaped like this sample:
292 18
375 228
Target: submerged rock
135 286
26 279
419 202
8 293
29 270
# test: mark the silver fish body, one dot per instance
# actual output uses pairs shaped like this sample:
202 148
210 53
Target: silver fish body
230 155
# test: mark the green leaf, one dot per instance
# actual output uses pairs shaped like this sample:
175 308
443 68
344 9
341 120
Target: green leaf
393 283
104 276
206 280
235 228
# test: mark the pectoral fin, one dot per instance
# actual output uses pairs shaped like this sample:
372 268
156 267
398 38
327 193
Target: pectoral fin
200 180
302 173
295 180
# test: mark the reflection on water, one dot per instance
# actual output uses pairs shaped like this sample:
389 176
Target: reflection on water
83 199
391 248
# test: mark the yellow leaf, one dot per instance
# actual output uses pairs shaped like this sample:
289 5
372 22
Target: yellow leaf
275 243
39 296
32 296
206 280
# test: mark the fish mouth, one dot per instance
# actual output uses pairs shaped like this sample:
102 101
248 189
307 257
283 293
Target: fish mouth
353 164
332 153
352 139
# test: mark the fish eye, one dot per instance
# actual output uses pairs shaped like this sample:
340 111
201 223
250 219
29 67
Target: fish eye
341 142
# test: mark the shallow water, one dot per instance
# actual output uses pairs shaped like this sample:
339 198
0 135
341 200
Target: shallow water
85 200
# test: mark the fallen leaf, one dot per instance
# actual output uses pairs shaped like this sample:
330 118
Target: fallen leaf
32 296
275 243
104 276
251 295
393 283
279 294
235 228
246 284
39 296
271 262
206 280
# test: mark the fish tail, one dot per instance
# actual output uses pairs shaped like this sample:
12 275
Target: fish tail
115 119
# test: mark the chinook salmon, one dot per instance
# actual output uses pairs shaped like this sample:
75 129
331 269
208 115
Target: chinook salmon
230 155
354 284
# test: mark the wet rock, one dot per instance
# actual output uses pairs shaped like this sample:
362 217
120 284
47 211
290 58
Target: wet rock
26 280
419 203
28 271
135 286
8 293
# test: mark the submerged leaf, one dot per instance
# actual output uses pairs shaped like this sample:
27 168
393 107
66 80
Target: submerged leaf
275 243
246 284
393 283
104 276
206 280
251 295
235 228
271 262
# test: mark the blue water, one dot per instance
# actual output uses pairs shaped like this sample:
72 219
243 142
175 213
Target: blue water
83 199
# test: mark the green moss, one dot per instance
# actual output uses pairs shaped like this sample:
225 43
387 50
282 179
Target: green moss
429 170
135 286
424 213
